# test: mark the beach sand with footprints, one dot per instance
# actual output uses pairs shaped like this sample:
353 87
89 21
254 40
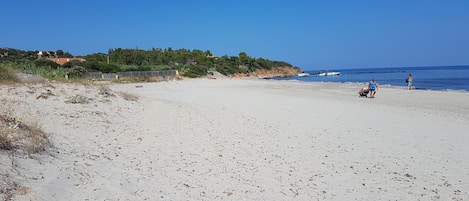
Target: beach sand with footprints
236 139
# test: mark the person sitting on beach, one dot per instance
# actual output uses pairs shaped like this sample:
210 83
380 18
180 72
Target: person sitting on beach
372 86
363 91
409 81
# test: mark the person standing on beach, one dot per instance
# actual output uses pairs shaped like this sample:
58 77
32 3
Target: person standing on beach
372 86
409 81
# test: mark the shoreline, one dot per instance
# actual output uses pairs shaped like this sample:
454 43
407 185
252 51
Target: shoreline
245 139
427 78
381 85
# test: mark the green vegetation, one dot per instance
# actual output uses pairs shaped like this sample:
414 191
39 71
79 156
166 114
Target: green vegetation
190 63
7 74
8 70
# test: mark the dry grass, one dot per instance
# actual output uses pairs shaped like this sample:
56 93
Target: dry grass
105 91
16 136
7 75
9 188
128 96
19 137
78 99
138 79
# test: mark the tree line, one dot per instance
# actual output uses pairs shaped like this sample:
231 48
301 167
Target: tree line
191 63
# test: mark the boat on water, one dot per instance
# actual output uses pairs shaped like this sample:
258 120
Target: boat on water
329 73
303 74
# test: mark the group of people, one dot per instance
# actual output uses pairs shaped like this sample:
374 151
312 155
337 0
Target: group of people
370 89
373 87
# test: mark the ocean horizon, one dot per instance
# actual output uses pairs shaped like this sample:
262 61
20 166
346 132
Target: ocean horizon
425 78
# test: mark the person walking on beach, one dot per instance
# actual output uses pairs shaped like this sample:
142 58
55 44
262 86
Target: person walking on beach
372 86
409 80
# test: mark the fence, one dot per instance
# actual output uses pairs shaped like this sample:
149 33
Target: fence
130 74
93 75
148 73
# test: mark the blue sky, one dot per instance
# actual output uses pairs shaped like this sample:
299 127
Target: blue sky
309 34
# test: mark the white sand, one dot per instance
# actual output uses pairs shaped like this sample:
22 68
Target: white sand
246 140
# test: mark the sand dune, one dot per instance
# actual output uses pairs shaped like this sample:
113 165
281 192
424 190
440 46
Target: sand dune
237 139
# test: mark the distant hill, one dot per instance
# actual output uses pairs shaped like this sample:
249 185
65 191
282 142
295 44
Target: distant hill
191 63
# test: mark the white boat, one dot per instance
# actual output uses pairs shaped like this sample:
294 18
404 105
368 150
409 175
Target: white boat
329 73
303 74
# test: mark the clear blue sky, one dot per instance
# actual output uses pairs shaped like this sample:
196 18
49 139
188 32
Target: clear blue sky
309 34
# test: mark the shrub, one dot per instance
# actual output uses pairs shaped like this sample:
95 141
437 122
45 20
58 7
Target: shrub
93 66
226 69
50 73
17 136
76 72
46 63
108 68
195 71
42 71
72 63
7 74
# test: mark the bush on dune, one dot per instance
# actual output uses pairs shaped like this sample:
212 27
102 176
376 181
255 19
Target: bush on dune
18 137
7 74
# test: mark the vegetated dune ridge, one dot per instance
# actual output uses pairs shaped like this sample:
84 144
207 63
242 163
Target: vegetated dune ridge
240 139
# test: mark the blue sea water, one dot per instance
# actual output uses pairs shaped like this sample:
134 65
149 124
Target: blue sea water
426 78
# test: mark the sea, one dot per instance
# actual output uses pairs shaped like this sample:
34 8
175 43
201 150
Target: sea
425 78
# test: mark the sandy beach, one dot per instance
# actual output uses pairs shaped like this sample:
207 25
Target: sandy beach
240 139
